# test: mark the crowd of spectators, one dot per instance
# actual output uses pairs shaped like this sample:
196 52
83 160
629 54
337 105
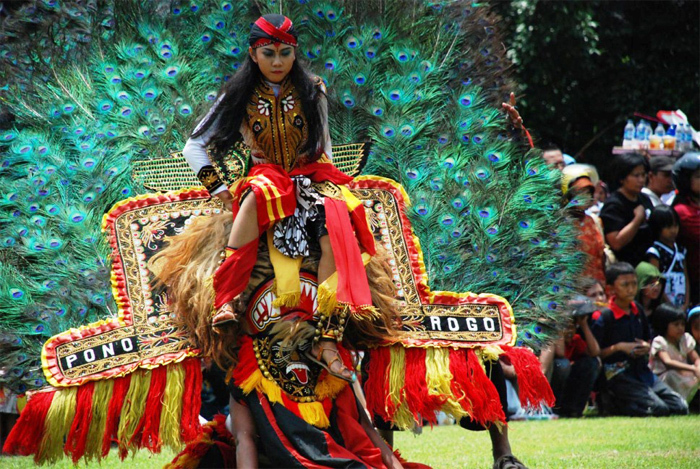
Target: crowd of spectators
632 346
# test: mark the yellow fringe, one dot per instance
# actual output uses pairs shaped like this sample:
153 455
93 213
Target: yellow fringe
287 299
438 378
313 413
252 382
491 352
57 425
271 390
100 406
366 313
133 408
169 429
326 295
329 387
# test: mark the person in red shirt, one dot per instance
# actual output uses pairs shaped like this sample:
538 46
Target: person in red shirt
686 176
582 350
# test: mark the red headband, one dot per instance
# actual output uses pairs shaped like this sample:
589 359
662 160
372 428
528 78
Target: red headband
277 34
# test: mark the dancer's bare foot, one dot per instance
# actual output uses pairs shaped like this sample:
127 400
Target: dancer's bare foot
325 353
225 314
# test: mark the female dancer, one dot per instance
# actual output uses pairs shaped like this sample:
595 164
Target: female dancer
296 197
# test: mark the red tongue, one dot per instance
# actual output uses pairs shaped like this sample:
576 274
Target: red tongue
301 374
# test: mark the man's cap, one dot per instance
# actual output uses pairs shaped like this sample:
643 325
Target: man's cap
661 163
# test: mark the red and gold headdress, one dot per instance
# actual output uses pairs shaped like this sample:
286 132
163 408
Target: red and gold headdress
264 32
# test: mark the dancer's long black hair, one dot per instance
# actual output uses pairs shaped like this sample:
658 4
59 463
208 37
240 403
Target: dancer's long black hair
236 94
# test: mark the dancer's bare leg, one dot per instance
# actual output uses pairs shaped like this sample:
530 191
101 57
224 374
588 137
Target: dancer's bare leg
244 433
245 225
326 267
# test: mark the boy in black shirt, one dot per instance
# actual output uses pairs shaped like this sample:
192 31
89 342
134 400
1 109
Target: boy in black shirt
622 331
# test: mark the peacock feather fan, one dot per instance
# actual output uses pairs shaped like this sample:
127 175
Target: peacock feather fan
421 80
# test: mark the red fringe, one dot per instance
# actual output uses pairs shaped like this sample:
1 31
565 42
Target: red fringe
212 433
408 464
422 404
191 399
247 363
377 385
24 438
150 422
77 437
533 388
486 403
119 390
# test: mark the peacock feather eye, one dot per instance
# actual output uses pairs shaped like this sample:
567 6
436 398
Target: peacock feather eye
482 173
177 11
115 79
456 233
171 71
371 52
465 100
353 43
68 108
494 157
377 111
377 34
412 174
421 209
16 293
360 79
8 136
330 64
406 130
205 38
388 131
395 95
8 242
226 6
478 138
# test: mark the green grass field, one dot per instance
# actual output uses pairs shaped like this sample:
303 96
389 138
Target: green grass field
591 443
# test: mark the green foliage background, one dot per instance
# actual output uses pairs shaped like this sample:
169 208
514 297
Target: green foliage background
585 67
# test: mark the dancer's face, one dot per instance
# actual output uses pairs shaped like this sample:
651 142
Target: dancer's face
275 61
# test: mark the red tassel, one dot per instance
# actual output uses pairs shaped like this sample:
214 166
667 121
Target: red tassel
213 433
119 390
24 438
486 403
150 422
533 388
77 437
191 399
247 363
377 385
422 404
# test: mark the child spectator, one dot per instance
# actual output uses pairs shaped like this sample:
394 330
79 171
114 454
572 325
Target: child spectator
623 335
694 326
595 290
686 176
625 212
650 287
581 350
673 357
667 256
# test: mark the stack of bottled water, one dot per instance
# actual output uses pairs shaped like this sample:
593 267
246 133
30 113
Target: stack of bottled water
642 137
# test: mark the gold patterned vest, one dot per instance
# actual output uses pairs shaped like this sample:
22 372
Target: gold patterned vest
277 124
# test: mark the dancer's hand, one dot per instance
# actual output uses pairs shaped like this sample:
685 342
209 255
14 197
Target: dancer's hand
512 112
